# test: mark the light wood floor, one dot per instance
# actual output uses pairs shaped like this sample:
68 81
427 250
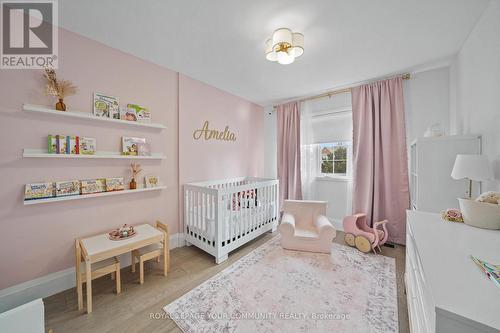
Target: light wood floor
131 311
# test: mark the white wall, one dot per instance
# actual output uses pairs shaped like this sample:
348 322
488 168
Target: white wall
426 97
270 148
475 86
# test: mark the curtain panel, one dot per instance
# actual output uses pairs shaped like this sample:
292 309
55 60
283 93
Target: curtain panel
289 172
380 167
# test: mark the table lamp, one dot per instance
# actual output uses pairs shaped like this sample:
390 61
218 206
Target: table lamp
472 167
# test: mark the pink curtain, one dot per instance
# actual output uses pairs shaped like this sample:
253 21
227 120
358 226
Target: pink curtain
380 173
288 119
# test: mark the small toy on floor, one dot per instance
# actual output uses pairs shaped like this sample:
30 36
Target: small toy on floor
360 235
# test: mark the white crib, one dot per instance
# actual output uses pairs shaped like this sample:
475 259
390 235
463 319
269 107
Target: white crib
221 215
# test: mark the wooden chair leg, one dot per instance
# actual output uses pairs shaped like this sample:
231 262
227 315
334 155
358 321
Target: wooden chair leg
141 270
133 263
88 276
118 279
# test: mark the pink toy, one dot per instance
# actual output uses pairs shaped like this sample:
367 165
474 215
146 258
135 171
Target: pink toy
359 234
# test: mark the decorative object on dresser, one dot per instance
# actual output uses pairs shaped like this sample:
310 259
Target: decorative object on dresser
305 227
364 238
452 215
136 169
446 292
154 251
480 214
473 168
296 291
58 88
431 159
212 225
98 248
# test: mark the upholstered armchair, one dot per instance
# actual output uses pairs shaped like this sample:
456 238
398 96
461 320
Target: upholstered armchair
304 226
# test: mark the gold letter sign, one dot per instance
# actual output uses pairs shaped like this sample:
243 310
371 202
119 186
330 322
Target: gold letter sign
208 134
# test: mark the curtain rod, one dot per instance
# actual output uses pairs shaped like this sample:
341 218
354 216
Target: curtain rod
405 76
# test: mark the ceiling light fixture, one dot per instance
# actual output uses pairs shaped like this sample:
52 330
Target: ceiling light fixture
284 46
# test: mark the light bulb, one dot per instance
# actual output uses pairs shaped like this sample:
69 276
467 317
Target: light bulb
286 58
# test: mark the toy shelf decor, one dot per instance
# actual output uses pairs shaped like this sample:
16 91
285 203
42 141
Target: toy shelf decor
87 116
42 153
89 196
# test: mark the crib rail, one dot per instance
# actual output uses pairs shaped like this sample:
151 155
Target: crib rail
222 215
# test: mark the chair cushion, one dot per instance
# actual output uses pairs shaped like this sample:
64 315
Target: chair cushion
306 234
100 264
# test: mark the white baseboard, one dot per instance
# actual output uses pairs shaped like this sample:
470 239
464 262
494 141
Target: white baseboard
54 283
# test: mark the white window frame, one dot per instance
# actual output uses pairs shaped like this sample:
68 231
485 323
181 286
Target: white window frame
335 176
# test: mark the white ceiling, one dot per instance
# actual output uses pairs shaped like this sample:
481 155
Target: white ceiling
221 42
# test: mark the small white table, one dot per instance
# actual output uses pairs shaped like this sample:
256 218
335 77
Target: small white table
100 247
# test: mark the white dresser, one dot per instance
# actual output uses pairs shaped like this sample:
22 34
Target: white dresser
446 291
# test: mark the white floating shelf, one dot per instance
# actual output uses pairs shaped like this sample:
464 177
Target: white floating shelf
89 196
41 153
87 116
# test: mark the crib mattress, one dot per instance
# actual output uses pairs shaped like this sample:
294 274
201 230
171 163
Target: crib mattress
235 222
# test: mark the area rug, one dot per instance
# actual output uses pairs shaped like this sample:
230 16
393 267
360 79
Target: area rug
277 290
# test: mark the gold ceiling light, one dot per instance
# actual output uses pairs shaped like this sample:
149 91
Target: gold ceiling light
284 46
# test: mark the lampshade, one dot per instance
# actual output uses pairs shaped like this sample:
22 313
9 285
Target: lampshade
473 167
284 46
298 44
283 35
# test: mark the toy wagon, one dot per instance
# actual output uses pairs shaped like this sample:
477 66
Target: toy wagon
360 235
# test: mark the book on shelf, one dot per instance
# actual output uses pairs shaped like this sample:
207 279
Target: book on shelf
491 271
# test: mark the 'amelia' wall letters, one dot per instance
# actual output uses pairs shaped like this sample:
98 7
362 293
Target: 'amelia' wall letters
210 134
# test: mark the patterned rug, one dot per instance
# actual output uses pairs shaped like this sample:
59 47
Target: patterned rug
277 290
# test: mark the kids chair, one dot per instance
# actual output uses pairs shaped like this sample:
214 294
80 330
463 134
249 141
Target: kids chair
360 235
98 269
150 252
304 226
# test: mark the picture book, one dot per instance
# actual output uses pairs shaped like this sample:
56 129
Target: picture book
39 191
52 144
61 144
142 114
491 271
66 188
114 184
126 114
87 146
151 181
72 145
93 186
129 145
143 149
106 106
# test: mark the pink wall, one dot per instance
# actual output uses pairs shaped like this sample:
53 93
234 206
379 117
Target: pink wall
213 159
38 240
204 160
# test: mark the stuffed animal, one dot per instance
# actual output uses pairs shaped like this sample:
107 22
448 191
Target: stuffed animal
489 197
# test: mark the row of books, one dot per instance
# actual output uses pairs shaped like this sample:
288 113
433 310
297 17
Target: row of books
491 271
66 144
72 187
109 107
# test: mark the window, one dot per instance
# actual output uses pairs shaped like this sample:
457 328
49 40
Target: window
333 158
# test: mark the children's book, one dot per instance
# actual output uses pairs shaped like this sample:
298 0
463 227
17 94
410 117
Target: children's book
93 186
61 144
72 145
52 144
106 106
87 145
114 184
491 271
66 188
39 191
142 114
129 145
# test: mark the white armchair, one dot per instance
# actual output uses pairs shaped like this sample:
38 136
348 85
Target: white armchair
304 226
